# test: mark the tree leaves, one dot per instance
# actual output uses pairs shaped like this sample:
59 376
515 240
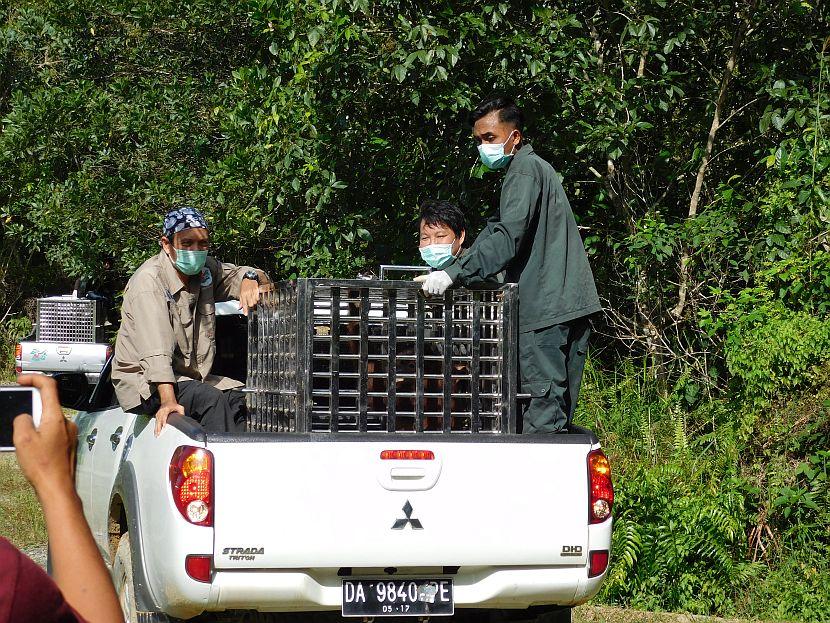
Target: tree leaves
284 120
400 72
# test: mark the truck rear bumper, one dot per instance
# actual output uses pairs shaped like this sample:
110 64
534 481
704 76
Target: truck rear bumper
51 357
320 589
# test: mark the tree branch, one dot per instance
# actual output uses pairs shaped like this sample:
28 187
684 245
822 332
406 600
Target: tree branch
694 202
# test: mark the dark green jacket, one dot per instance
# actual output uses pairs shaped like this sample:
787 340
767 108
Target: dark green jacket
535 239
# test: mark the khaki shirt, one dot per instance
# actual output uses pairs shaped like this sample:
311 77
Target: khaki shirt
167 330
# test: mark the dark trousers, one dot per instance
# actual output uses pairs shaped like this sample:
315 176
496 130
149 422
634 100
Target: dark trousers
551 362
215 410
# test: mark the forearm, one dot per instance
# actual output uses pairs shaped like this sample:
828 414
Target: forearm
167 392
502 238
489 256
77 567
229 280
168 404
263 279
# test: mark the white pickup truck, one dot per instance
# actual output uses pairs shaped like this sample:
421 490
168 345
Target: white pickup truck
69 337
339 504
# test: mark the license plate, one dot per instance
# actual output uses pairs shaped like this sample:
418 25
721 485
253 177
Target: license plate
394 598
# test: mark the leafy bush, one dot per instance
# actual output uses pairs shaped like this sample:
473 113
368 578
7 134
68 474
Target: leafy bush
710 518
680 539
681 507
796 590
12 330
773 350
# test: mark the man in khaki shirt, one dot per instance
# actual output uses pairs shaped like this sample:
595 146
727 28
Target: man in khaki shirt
166 344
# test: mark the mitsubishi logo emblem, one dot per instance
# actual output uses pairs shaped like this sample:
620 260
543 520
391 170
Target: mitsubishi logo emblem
400 524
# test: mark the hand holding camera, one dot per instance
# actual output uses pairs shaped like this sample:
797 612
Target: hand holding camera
45 448
45 442
16 400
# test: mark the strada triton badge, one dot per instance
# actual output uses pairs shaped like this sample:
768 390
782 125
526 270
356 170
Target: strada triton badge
400 524
243 553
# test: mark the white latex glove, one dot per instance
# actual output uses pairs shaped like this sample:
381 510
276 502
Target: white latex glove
435 283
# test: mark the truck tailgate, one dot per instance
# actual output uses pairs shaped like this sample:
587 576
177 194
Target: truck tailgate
339 504
62 357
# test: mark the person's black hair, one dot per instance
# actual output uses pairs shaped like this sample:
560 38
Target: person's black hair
509 111
438 212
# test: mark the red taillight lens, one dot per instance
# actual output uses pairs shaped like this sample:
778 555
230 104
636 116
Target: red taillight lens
199 567
191 482
407 455
18 358
109 353
601 498
598 563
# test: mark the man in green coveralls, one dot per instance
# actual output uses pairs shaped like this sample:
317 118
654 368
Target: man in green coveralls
534 238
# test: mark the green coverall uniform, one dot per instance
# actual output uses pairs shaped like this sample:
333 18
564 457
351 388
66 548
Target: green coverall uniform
535 239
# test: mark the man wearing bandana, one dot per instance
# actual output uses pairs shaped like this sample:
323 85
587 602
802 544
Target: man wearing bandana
166 344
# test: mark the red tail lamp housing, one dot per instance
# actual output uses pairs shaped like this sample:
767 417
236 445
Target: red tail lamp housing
191 483
407 455
601 494
598 563
199 567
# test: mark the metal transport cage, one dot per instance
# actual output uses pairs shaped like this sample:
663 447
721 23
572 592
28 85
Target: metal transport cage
369 356
68 319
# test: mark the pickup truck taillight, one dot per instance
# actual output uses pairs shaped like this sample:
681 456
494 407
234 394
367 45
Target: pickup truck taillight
601 498
191 481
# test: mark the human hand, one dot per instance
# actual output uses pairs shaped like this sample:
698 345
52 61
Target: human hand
248 295
436 282
46 455
164 412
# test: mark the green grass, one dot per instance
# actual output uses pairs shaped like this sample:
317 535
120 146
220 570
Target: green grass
604 614
21 520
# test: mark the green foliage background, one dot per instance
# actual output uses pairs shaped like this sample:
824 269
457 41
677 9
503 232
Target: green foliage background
309 130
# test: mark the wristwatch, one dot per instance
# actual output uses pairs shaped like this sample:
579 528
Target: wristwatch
251 274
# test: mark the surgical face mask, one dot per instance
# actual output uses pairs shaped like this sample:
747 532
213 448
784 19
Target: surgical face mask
190 262
438 255
493 156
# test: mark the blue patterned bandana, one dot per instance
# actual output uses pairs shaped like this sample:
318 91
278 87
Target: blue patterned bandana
181 219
